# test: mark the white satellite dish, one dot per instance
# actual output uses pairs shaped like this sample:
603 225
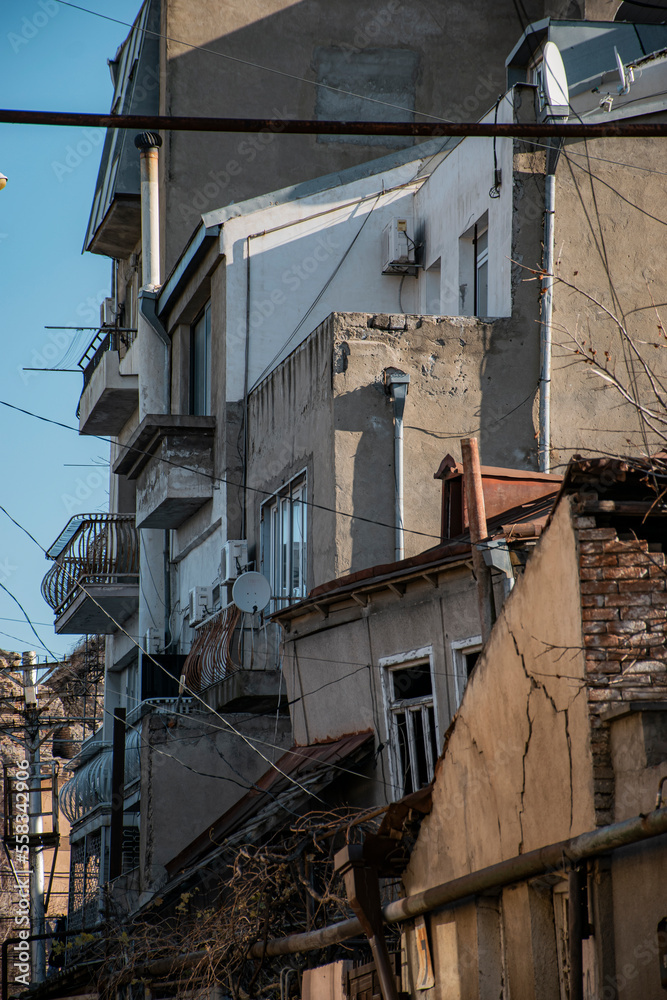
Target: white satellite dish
554 83
626 75
251 592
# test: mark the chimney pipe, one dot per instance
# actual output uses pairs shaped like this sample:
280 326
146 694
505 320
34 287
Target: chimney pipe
148 144
472 476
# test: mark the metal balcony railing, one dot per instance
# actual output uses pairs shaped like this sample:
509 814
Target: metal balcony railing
100 549
106 339
228 642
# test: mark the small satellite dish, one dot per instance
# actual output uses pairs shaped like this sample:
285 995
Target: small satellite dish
251 592
554 83
626 75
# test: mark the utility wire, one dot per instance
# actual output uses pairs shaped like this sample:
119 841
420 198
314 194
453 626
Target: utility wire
208 475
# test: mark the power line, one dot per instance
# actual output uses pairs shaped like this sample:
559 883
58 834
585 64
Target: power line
207 475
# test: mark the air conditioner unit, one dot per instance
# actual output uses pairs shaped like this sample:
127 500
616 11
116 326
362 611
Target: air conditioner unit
107 312
398 249
153 639
200 604
234 559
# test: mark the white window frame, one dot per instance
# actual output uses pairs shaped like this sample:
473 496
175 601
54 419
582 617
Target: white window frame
400 661
277 513
459 648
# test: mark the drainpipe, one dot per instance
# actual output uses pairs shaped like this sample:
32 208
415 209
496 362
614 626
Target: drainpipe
542 861
472 477
396 384
546 326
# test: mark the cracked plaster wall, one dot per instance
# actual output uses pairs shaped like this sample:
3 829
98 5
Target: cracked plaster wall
516 773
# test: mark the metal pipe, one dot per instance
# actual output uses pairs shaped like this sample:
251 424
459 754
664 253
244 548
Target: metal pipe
472 477
117 794
542 861
576 929
35 825
397 383
544 436
310 126
148 144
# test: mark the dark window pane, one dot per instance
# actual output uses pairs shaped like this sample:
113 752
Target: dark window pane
470 661
412 682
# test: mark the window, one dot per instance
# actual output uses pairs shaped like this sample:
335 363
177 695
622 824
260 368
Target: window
465 653
283 542
412 724
200 364
474 269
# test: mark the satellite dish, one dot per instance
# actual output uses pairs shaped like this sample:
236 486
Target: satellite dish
554 83
251 592
626 75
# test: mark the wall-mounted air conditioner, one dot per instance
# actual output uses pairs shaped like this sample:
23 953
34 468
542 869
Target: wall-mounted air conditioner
107 312
398 247
234 559
200 604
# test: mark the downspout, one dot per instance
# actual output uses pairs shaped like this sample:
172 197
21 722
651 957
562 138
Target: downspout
546 325
542 861
396 384
148 144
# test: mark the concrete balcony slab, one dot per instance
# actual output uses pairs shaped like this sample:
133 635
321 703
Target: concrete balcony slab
100 609
109 399
171 458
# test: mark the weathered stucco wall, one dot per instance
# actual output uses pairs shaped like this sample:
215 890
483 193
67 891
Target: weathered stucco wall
206 766
348 45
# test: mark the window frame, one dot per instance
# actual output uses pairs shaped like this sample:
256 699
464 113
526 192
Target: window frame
274 515
394 706
195 403
459 648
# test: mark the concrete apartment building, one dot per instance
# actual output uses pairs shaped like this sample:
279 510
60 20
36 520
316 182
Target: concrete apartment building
256 409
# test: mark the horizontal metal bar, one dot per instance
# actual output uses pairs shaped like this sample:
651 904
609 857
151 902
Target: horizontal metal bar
309 126
517 869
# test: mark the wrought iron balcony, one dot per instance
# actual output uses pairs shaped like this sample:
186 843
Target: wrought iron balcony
89 787
110 394
233 663
94 582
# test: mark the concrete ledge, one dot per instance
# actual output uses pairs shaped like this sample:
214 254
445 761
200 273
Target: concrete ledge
109 399
246 691
146 439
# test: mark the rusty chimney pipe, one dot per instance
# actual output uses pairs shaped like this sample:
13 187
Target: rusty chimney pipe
472 477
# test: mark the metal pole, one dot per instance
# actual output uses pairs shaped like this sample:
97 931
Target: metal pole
544 860
472 476
312 126
117 794
544 438
35 827
397 383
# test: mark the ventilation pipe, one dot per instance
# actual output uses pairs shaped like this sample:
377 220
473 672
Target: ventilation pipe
396 384
546 325
148 144
472 477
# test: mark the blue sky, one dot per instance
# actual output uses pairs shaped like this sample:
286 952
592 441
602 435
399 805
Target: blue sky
53 58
